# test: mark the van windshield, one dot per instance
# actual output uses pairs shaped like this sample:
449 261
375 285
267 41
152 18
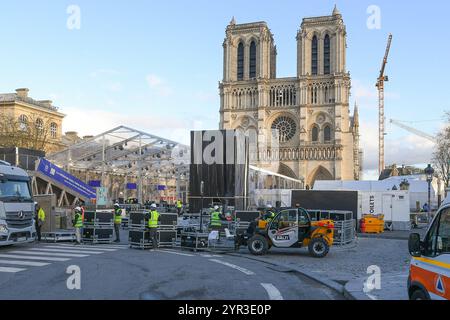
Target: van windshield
11 190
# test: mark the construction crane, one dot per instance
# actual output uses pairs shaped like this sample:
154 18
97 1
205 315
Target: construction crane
380 85
414 130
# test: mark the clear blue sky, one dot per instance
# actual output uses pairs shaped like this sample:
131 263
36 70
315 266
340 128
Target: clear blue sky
137 62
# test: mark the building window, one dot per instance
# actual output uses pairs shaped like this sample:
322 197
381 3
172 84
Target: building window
240 62
327 134
39 124
286 128
314 55
253 60
326 55
23 122
53 130
315 134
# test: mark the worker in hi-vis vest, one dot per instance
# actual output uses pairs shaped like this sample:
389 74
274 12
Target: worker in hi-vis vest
117 221
179 207
215 221
153 218
78 224
40 220
270 214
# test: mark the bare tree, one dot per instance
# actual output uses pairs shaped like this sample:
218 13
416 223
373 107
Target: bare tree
31 132
441 156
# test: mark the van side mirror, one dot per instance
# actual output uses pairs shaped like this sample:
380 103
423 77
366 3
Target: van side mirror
414 245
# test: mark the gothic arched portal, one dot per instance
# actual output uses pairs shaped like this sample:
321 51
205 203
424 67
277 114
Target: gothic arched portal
319 174
286 171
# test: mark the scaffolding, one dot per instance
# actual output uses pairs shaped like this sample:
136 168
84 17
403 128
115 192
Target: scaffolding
124 157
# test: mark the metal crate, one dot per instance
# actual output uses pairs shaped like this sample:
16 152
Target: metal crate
95 235
167 238
194 241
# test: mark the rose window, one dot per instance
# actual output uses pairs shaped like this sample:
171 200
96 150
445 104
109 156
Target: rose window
286 128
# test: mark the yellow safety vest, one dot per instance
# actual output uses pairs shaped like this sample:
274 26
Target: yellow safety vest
118 216
41 214
179 204
153 221
215 219
78 220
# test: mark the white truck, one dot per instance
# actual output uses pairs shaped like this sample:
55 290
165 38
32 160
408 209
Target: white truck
17 208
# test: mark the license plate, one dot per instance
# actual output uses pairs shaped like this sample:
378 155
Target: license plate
22 239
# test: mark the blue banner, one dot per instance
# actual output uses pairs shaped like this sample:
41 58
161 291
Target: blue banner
161 188
95 183
131 186
66 179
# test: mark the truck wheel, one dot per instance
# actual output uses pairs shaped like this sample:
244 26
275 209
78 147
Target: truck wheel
419 295
258 245
318 248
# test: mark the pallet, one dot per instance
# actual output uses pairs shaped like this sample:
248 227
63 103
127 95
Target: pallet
97 241
59 236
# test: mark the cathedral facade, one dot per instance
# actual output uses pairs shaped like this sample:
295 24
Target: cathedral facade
317 138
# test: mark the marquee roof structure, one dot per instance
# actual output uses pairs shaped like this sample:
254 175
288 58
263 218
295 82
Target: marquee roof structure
126 151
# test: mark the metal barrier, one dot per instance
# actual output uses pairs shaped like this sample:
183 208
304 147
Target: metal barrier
344 224
344 232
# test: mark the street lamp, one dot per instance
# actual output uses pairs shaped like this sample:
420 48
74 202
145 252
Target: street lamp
429 171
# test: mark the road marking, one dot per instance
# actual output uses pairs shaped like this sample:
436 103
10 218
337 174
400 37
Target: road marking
243 270
24 263
93 247
177 253
211 256
33 257
56 254
11 270
67 251
272 291
78 248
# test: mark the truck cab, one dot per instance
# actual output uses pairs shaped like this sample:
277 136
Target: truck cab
16 206
429 276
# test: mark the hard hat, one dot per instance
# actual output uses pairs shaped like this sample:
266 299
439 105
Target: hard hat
153 205
116 204
78 209
216 207
269 206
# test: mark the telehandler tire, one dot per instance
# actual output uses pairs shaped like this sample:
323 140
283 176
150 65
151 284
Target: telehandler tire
258 245
318 248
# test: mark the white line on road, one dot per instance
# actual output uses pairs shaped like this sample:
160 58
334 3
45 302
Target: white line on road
55 254
272 291
79 248
13 256
24 263
100 246
243 270
11 270
67 251
177 253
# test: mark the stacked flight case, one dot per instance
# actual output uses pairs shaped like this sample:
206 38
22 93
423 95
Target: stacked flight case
167 231
139 235
98 227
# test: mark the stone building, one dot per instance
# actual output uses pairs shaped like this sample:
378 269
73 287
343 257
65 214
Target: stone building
318 138
37 120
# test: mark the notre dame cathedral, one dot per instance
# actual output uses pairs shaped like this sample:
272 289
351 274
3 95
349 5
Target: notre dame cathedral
318 138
